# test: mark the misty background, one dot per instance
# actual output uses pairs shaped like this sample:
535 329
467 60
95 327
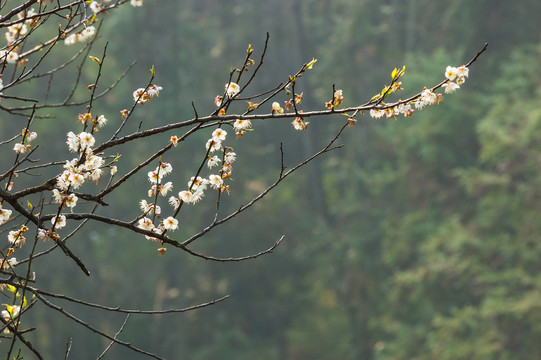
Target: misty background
419 239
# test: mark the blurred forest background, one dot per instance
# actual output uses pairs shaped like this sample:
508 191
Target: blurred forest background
420 239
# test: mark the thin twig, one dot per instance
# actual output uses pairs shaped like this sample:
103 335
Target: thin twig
116 335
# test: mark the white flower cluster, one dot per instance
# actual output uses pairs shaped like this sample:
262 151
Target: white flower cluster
457 74
5 214
95 6
84 35
20 29
16 237
24 145
300 124
59 222
196 186
76 171
69 200
276 108
241 126
9 56
155 177
427 96
141 95
6 264
158 188
10 313
232 89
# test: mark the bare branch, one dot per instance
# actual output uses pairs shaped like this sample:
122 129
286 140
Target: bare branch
93 329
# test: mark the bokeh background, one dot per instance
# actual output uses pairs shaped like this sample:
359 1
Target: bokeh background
419 239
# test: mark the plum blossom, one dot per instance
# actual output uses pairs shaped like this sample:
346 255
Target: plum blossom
154 90
198 194
21 148
276 108
95 175
87 33
101 121
86 140
463 71
338 97
232 89
376 113
164 168
145 224
219 135
5 214
213 145
76 179
59 222
196 183
57 196
230 157
42 234
155 231
213 161
174 140
165 188
141 95
170 223
71 200
459 73
192 197
84 35
147 208
451 73
17 30
450 87
11 313
162 189
241 125
216 181
185 196
154 177
12 57
16 238
29 135
73 142
428 96
174 202
9 263
95 7
300 124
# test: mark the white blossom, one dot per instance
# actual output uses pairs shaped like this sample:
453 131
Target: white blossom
170 223
232 89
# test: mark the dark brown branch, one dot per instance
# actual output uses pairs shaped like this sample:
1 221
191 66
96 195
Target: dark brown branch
236 259
281 177
93 329
128 311
19 336
15 11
